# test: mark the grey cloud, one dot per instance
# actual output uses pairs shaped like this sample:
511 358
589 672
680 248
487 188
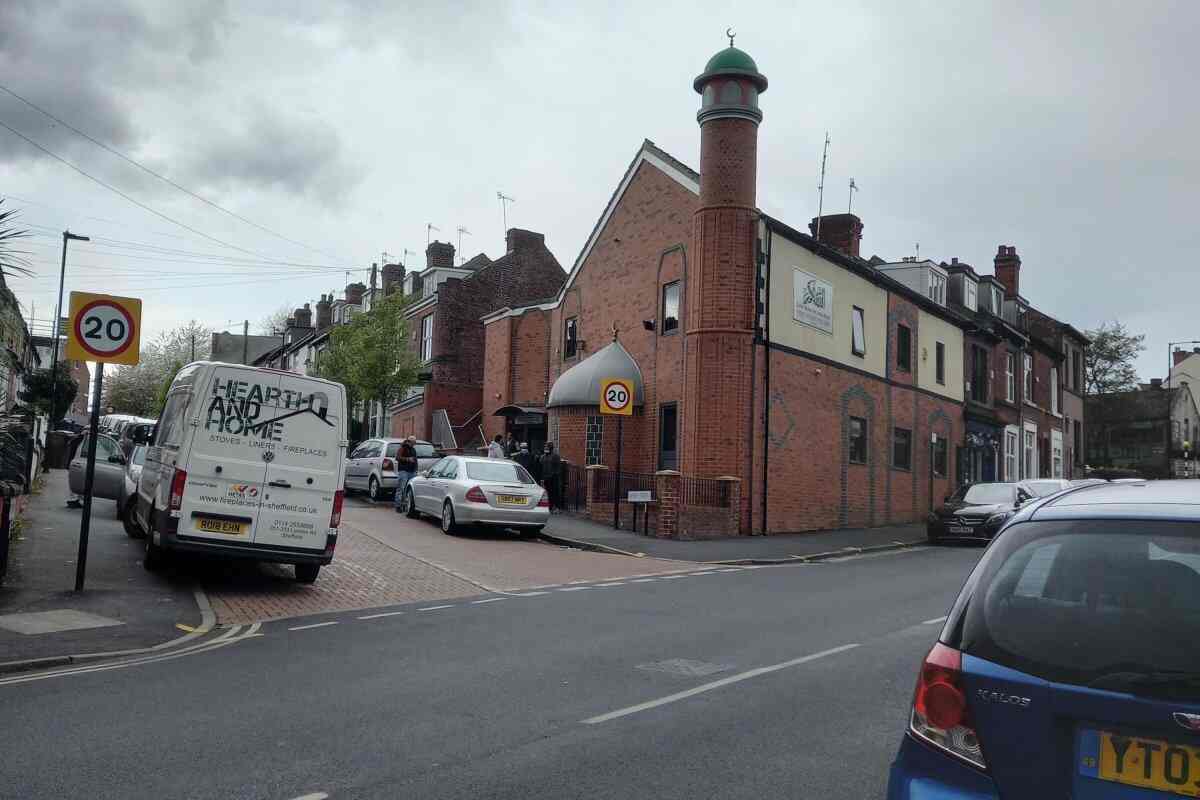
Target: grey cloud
272 151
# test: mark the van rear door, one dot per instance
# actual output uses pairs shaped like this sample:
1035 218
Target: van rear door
226 466
304 471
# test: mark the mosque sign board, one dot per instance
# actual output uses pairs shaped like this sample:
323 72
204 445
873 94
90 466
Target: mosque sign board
812 301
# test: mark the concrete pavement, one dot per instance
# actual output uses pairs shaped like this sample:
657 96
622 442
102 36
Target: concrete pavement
490 696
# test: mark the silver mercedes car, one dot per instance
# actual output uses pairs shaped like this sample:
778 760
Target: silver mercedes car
464 490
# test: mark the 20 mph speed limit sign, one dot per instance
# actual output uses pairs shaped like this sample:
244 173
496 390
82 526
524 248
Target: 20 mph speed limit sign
104 328
616 396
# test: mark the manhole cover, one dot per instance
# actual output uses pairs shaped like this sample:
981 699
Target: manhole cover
685 667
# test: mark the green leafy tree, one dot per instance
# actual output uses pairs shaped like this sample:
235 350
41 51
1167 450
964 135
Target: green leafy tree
164 386
12 260
39 387
135 389
371 356
1108 360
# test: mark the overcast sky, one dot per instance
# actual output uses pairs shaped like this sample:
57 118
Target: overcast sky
1069 133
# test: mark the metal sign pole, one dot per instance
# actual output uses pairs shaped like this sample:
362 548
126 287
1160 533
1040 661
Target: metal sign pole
86 520
617 482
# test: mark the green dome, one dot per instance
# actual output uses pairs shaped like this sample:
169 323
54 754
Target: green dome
731 58
734 62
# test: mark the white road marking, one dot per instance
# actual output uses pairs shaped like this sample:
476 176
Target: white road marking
488 600
694 574
312 796
384 614
708 687
573 588
434 608
314 625
644 580
613 583
672 577
732 569
934 621
529 594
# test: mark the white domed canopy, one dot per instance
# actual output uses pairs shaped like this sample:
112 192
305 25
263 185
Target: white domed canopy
580 385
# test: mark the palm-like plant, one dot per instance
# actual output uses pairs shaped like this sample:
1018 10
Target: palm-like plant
12 260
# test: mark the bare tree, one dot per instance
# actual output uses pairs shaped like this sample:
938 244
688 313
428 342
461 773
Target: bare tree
276 321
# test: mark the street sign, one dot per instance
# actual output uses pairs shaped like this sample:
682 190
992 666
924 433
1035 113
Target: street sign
104 328
616 396
644 496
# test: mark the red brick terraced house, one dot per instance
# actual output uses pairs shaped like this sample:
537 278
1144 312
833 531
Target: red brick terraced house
445 316
828 392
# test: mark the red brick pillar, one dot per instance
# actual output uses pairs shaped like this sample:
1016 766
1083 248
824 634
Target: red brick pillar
733 491
596 510
668 491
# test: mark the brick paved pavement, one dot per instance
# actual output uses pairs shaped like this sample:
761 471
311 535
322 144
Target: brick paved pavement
385 559
365 573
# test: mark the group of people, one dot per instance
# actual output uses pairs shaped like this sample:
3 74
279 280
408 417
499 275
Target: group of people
545 468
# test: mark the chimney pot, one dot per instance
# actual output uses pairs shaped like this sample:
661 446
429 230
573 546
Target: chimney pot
1008 269
439 254
518 239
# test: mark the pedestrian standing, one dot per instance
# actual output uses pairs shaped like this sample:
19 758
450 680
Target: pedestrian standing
552 475
511 448
406 468
496 448
525 458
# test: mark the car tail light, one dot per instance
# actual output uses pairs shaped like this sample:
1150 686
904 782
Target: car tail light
545 501
177 483
940 715
335 516
389 465
476 495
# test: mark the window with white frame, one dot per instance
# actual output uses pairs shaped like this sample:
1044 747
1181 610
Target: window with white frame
1056 454
1010 377
1011 444
1030 451
1027 366
1053 390
970 298
427 338
937 288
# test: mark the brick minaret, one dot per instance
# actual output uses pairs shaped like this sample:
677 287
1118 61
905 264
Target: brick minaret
720 300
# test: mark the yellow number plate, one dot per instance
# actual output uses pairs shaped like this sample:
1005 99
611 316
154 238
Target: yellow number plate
1150 763
510 500
221 526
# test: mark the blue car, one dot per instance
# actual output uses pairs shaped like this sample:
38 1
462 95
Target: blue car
1069 666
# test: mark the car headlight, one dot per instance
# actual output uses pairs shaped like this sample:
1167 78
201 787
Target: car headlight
996 519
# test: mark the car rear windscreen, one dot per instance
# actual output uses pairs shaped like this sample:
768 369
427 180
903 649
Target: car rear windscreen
1083 602
497 472
989 493
425 450
393 449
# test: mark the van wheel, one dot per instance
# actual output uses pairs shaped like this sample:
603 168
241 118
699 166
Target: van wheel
373 489
153 558
449 526
129 518
409 505
307 573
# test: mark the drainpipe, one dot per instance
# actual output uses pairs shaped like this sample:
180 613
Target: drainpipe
766 377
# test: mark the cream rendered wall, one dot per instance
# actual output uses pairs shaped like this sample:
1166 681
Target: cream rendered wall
931 329
848 290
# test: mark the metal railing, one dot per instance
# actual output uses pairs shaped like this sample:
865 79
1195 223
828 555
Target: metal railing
572 495
610 483
443 431
705 492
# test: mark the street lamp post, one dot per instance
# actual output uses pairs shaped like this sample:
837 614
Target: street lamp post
1171 366
62 274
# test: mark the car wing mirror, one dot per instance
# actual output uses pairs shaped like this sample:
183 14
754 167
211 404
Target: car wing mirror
116 458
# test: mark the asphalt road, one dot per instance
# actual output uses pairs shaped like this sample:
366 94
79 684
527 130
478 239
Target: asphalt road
568 693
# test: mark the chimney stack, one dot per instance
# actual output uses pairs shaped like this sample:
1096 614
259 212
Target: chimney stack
303 317
354 294
393 278
324 312
439 254
1156 383
840 231
520 239
1008 269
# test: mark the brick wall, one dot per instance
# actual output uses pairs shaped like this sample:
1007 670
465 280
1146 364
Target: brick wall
412 421
529 358
812 484
497 376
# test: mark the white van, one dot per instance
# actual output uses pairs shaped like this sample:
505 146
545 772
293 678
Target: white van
246 462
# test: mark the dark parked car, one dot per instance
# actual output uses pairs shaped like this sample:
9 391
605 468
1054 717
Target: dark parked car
976 512
1068 666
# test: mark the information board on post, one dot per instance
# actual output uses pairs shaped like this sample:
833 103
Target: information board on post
103 329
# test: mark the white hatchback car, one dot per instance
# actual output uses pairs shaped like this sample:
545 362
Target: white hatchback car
466 490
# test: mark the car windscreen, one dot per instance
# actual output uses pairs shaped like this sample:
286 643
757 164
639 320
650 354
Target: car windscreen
1043 488
497 472
988 493
1104 603
138 456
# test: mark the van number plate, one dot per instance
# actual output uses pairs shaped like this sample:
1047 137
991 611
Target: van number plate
221 526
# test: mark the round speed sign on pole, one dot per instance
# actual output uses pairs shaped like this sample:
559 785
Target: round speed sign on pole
104 328
616 396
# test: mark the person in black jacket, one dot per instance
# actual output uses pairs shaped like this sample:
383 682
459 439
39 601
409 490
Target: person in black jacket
551 465
527 460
